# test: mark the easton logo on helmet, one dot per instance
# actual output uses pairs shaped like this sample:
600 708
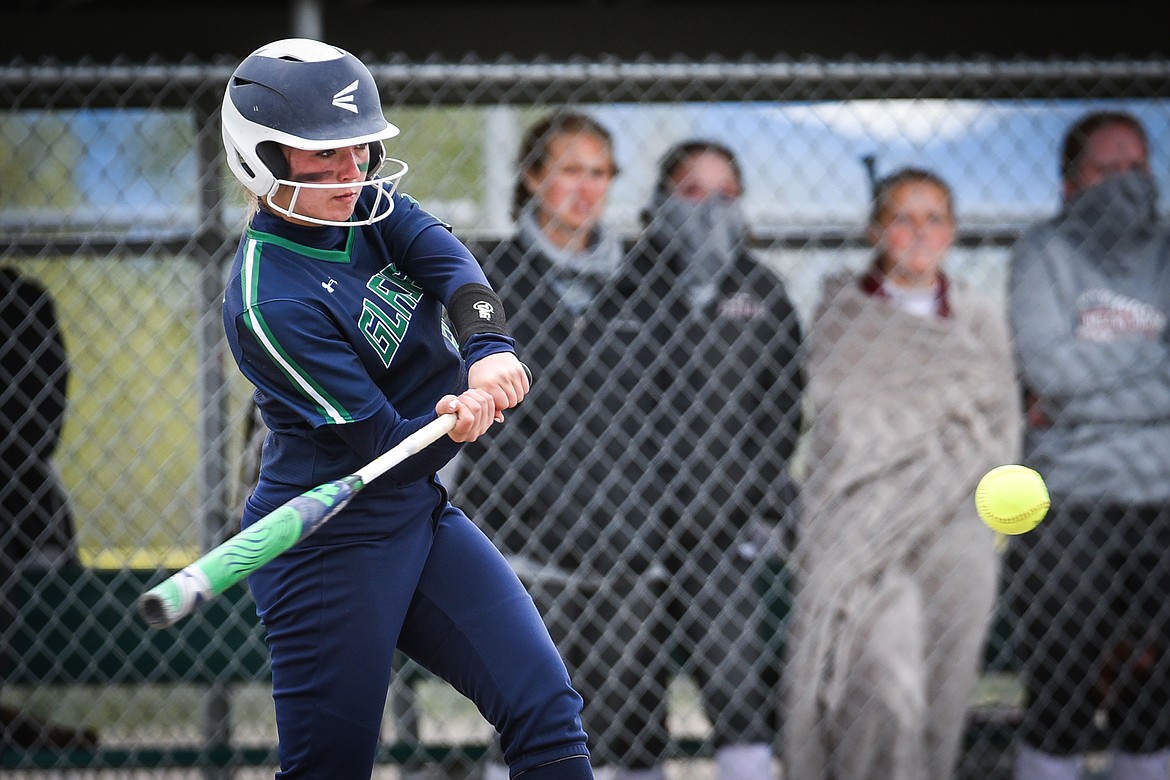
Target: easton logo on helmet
344 98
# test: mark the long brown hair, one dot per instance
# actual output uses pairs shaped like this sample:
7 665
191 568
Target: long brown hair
536 142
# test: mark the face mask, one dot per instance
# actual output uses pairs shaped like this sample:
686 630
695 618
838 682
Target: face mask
1121 208
702 238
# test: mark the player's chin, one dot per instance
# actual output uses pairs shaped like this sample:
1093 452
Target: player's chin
342 206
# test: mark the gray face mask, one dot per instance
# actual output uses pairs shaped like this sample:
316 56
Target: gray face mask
1121 209
703 239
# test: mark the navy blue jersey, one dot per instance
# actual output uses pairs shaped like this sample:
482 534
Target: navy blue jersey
342 331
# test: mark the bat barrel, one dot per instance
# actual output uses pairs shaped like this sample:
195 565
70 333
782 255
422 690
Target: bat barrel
183 592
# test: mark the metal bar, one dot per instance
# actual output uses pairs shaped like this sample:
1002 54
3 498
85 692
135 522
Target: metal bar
533 83
209 250
833 237
87 247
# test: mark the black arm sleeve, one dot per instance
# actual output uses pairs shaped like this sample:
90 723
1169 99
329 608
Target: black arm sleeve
475 308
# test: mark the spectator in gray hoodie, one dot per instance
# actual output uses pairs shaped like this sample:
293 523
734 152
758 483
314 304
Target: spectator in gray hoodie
1089 299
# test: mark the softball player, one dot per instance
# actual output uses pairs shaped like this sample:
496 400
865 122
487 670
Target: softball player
334 310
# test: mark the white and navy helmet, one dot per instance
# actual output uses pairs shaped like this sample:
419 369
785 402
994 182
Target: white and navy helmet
308 95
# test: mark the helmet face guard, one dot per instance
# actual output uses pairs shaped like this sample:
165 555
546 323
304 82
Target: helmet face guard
381 208
307 95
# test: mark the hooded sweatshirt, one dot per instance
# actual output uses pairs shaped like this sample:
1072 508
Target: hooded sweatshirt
1090 295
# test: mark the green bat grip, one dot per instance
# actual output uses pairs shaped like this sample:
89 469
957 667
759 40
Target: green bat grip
183 592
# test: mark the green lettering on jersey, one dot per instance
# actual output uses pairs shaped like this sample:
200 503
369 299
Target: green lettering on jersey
399 292
383 332
384 327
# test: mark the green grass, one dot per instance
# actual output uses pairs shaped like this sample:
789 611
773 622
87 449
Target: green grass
130 452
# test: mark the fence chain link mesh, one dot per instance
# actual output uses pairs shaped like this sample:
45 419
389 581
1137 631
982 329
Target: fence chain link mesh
117 211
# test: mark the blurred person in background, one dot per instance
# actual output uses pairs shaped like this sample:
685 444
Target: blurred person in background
693 355
36 525
520 483
1089 299
547 273
913 397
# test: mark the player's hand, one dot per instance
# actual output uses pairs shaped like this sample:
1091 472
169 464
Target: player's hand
474 410
503 376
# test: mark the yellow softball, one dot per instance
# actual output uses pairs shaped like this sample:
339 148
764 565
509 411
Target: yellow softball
1012 499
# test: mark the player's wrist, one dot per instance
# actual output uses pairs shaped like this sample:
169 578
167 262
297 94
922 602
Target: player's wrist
475 308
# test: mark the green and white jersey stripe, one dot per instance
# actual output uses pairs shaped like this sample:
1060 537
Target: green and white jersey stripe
254 318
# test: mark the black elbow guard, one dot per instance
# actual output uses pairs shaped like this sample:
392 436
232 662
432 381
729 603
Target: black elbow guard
475 308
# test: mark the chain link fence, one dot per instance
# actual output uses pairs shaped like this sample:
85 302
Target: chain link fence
117 211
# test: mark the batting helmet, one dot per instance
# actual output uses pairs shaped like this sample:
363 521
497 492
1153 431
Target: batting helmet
308 95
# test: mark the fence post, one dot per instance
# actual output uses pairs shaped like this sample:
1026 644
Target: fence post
211 249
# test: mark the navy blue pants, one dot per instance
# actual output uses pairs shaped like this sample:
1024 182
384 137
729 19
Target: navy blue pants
337 605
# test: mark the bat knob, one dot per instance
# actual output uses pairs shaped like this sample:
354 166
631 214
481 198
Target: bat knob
153 610
175 597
